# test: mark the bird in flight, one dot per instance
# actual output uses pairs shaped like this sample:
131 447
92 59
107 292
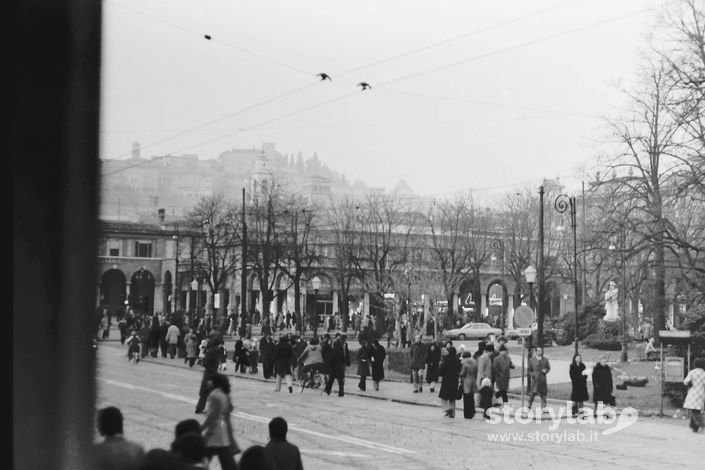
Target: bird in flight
324 76
207 36
364 85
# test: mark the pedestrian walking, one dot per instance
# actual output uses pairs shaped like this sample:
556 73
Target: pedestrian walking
163 342
172 338
115 451
143 332
222 357
284 358
450 369
240 356
191 341
602 384
210 368
433 362
501 371
133 347
216 427
468 377
538 367
417 354
578 379
377 356
284 454
266 351
155 335
339 360
363 364
695 399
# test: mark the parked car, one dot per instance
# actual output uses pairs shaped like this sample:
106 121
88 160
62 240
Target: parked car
472 330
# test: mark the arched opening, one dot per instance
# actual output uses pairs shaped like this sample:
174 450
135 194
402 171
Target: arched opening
112 292
469 294
497 303
142 292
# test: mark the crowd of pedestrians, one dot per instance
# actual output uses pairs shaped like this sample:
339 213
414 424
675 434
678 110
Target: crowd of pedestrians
480 379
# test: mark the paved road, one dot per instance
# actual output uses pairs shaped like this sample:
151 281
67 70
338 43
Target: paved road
391 428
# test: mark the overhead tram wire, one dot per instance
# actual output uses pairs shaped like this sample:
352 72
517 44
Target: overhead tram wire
215 40
222 118
513 47
238 131
457 38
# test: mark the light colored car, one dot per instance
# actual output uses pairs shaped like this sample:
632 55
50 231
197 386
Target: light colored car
472 330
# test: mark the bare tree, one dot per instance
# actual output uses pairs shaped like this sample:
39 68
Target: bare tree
300 238
386 223
345 231
645 169
265 255
216 222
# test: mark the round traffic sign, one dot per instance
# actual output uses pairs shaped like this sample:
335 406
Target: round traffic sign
524 316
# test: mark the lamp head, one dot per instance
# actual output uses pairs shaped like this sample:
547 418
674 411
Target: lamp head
530 274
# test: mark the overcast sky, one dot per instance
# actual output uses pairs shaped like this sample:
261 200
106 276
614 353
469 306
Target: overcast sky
467 94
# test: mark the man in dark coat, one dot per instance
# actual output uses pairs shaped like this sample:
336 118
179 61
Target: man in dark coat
602 384
339 360
283 454
537 370
501 372
266 352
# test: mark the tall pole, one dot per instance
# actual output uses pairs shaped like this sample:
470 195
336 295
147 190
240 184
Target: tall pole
623 242
583 292
499 244
562 204
539 310
175 294
575 267
243 275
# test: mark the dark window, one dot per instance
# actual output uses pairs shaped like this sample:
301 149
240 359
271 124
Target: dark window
143 249
114 252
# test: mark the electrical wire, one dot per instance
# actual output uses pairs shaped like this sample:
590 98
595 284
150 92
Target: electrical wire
456 38
511 48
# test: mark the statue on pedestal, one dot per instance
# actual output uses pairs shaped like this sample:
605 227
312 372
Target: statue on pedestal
611 305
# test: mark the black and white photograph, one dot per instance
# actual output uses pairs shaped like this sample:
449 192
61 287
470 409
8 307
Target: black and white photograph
401 234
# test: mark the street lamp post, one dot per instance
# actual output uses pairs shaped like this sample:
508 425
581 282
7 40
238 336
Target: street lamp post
498 244
175 300
194 286
562 204
530 275
316 283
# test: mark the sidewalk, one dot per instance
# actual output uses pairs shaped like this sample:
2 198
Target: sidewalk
390 390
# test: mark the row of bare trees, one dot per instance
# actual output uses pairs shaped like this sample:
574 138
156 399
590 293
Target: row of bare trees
646 200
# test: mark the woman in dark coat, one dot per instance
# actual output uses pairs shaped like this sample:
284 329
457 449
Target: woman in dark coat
450 368
155 336
377 356
578 378
363 364
602 384
433 362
